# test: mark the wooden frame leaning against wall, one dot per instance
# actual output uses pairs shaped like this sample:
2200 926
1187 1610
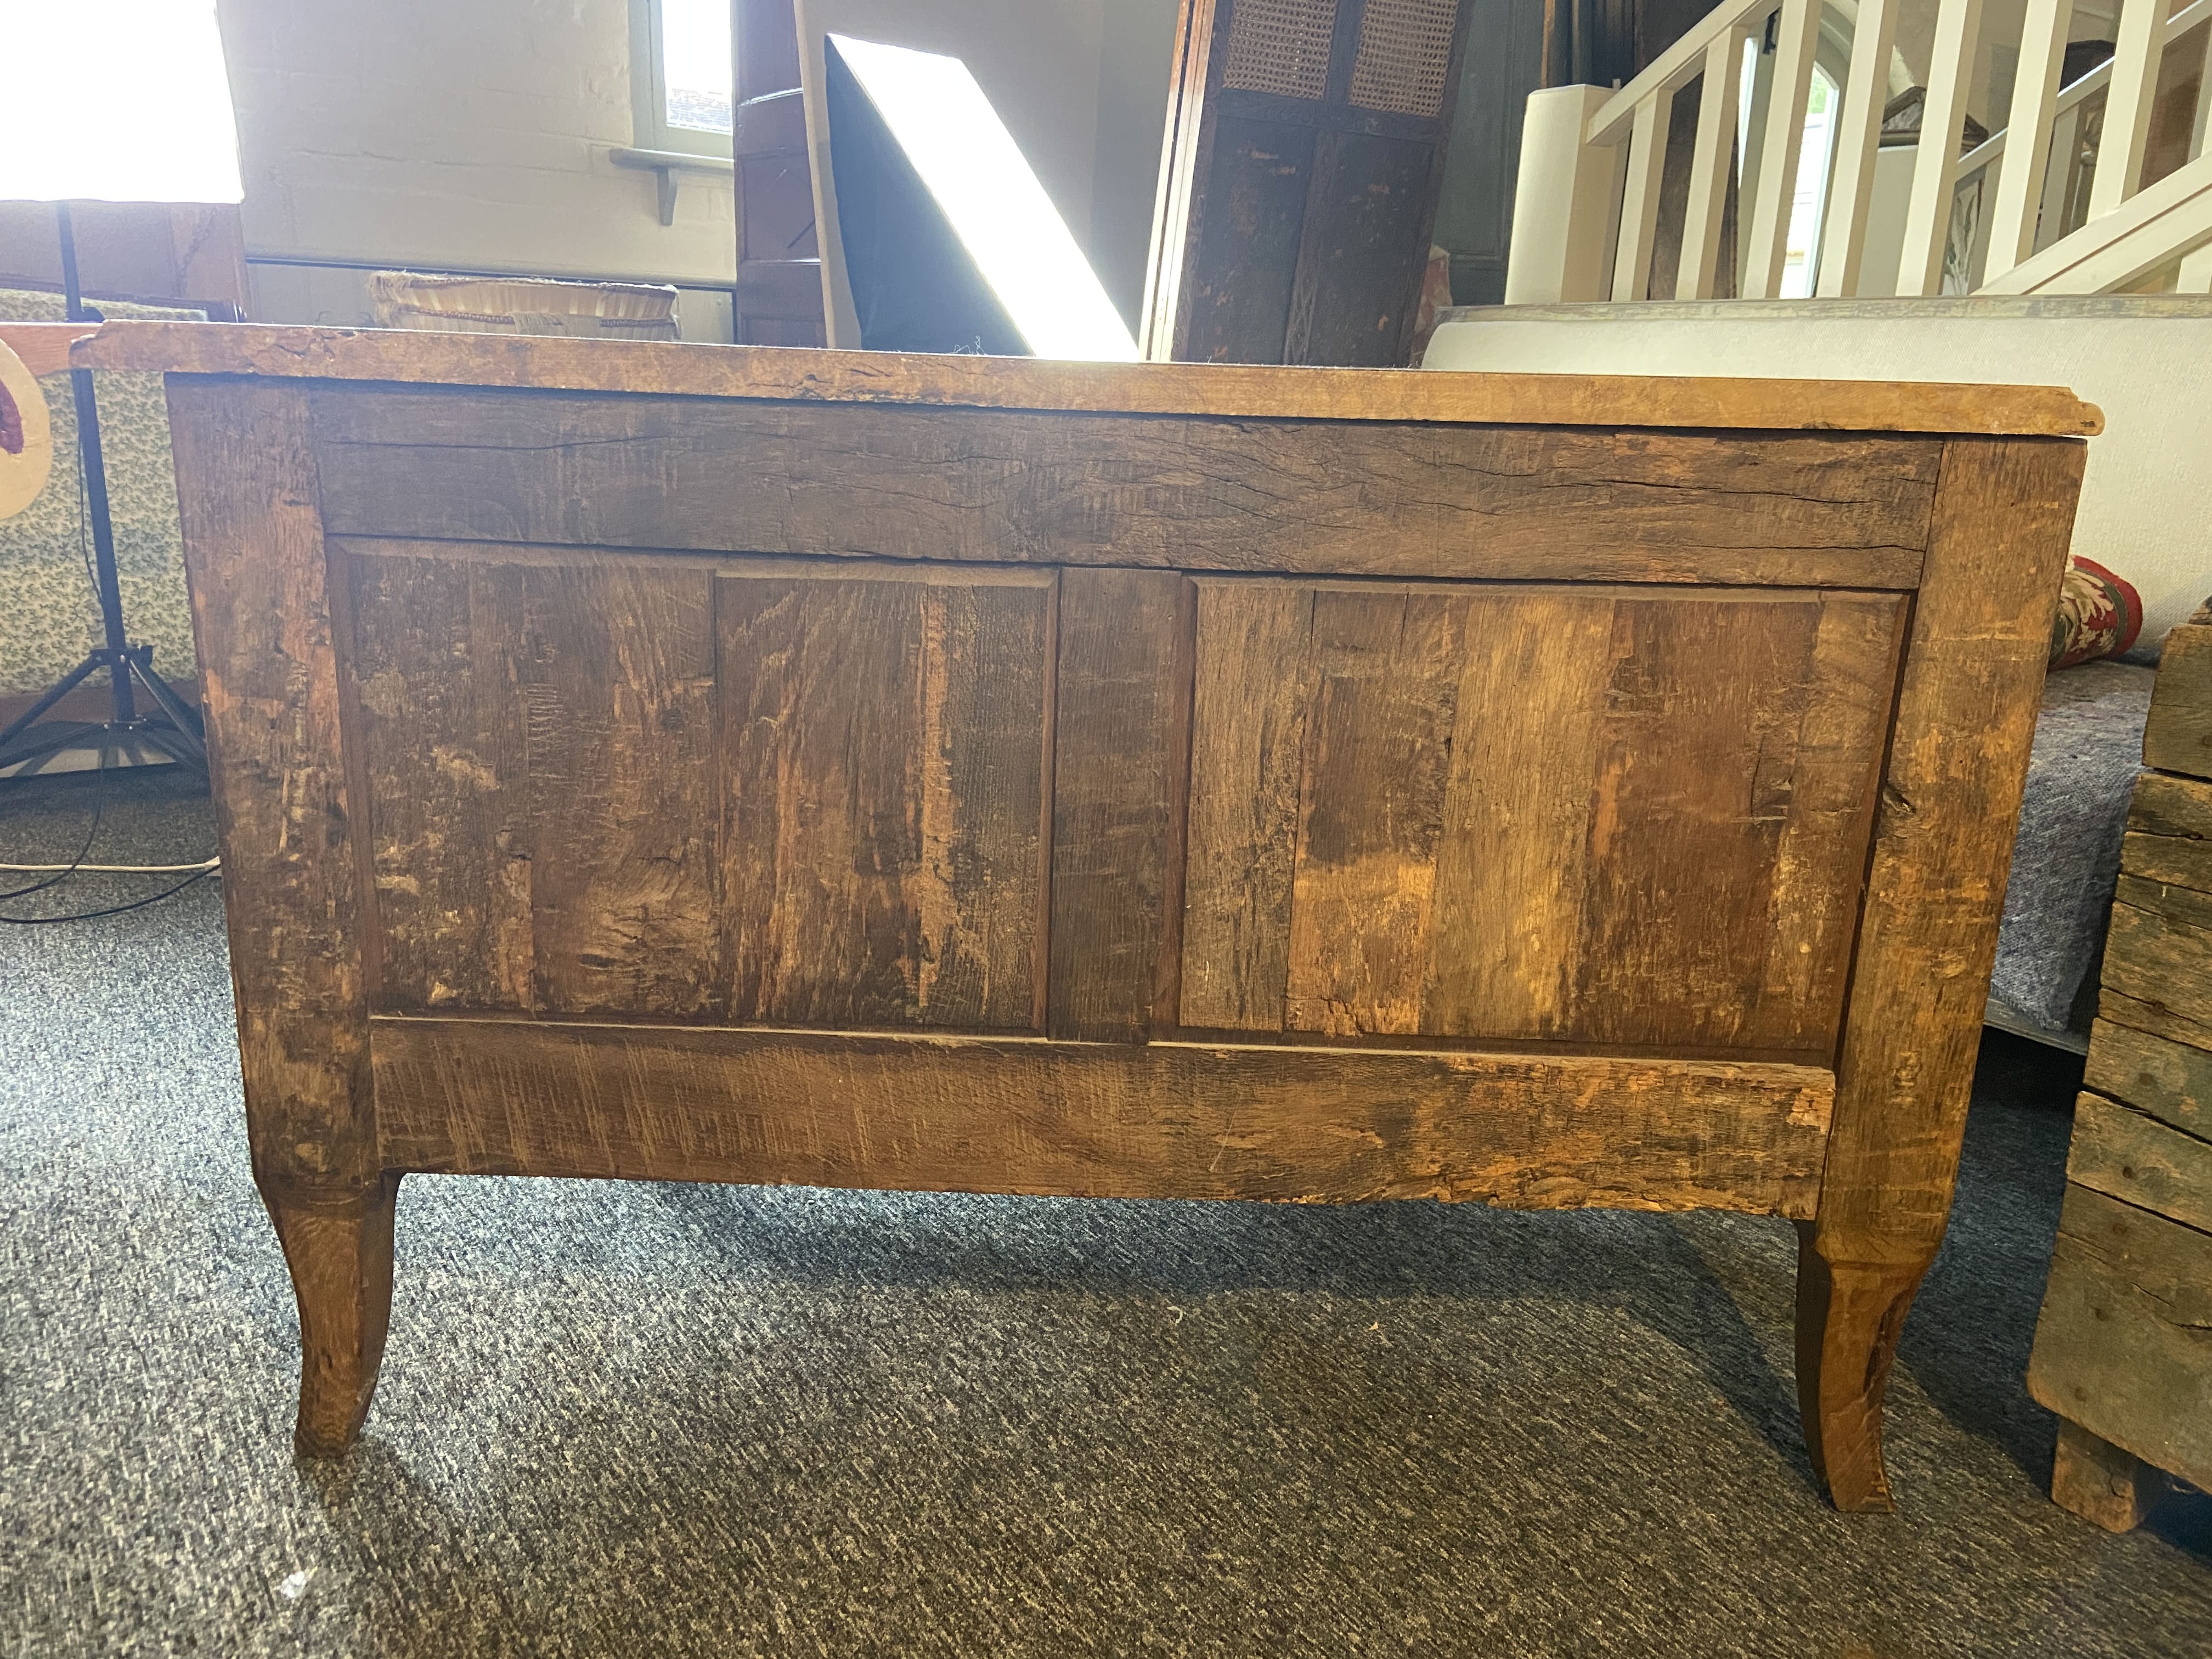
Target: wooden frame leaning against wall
735 764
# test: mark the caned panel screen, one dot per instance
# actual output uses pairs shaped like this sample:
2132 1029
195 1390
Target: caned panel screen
1281 46
1405 52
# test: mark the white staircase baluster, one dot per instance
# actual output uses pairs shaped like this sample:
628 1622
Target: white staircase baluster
1639 202
1935 169
2027 135
1710 163
2127 107
1858 134
1796 32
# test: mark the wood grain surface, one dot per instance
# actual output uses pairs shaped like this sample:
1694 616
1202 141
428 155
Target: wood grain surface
1159 1120
1121 764
2171 1081
2124 1347
2177 735
1589 814
1171 492
285 811
2139 1159
885 765
710 371
539 742
1950 801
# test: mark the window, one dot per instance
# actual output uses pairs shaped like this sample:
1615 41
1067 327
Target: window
680 75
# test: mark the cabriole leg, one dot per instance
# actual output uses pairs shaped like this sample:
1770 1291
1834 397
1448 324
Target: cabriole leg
339 1249
1850 1316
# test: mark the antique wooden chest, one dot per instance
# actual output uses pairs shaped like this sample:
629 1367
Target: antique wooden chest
711 764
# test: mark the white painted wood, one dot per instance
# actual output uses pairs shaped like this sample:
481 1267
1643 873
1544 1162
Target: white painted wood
1711 159
1639 201
1676 66
1564 251
2127 108
1935 170
2196 272
1858 134
2028 135
1779 149
2173 216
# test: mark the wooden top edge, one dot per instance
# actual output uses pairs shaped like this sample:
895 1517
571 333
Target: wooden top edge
44 347
1219 389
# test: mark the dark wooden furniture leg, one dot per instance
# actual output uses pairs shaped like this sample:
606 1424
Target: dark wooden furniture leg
339 1250
1950 793
2099 1481
292 881
1850 1316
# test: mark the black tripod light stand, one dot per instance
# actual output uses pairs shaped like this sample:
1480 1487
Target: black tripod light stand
169 725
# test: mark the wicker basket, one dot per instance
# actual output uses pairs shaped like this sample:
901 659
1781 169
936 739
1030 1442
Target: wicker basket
523 304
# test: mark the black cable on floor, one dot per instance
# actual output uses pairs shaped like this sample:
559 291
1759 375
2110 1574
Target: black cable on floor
98 805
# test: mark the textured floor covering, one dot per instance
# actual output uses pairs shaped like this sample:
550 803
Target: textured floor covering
658 1419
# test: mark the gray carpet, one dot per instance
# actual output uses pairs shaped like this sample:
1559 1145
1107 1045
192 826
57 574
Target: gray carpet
668 1420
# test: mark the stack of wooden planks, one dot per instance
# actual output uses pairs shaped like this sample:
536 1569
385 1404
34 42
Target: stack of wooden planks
2124 1350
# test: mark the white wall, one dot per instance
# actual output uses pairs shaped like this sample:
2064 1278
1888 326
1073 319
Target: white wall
452 134
2145 362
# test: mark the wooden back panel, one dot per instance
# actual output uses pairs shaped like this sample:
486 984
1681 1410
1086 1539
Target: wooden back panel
1178 802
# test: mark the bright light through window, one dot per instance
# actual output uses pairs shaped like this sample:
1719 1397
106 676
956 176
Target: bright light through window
694 62
117 101
978 176
1800 257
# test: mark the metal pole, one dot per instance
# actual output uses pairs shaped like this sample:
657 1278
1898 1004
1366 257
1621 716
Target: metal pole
95 486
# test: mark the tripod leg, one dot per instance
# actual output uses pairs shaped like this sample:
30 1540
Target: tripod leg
339 1249
60 688
181 714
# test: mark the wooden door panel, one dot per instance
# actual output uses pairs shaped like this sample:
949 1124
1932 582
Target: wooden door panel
884 757
1631 817
536 744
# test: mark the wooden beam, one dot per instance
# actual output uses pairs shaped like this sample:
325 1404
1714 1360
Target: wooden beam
1166 1119
545 363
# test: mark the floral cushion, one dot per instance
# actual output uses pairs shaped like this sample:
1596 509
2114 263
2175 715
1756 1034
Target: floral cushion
2099 615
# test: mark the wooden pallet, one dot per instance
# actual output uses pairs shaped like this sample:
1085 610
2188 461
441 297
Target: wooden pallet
2124 1349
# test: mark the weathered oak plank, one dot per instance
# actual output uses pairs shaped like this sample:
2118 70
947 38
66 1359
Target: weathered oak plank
1613 816
2177 736
2139 1015
1166 1119
261 611
1120 760
2132 1156
1165 492
2123 1345
2161 959
1247 745
539 741
1927 937
523 362
286 811
2169 836
2170 1080
885 750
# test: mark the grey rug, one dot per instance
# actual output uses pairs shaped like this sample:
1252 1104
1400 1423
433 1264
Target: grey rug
668 1420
